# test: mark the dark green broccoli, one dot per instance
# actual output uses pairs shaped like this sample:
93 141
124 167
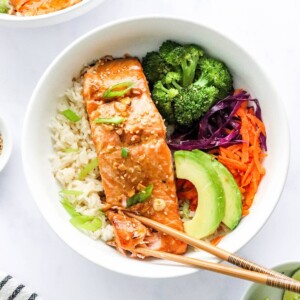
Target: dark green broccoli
192 102
172 79
215 73
163 98
166 47
185 57
155 67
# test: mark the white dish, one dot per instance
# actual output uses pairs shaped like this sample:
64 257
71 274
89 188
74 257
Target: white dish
51 18
137 36
7 144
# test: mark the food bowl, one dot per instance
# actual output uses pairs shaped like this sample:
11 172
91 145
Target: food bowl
137 36
263 292
51 18
6 143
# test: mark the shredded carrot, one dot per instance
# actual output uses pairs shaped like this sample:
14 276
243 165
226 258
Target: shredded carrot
244 160
216 240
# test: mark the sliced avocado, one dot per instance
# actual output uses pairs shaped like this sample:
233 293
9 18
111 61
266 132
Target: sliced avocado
197 168
287 295
233 196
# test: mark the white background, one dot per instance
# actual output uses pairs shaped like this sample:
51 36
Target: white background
30 250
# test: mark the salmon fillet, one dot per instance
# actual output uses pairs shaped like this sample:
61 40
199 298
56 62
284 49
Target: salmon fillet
149 161
40 7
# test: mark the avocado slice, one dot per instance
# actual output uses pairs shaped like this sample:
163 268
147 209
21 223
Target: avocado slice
291 295
233 196
198 169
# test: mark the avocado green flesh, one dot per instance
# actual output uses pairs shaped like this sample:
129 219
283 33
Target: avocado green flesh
233 196
197 168
291 295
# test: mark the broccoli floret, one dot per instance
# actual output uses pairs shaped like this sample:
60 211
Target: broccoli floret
155 67
186 57
173 78
163 98
166 47
215 73
192 102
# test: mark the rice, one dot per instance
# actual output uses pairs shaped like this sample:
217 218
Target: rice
73 150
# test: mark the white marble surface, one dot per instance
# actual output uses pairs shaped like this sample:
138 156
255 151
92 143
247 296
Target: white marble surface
31 251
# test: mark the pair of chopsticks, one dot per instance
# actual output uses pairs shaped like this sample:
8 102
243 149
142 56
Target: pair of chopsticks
249 270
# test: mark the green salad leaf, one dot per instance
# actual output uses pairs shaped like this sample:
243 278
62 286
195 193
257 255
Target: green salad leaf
140 197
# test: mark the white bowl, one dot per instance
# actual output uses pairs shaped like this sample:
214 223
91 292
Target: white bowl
51 18
7 144
262 292
137 36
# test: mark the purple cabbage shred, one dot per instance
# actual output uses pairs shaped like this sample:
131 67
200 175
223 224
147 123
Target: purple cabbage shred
218 127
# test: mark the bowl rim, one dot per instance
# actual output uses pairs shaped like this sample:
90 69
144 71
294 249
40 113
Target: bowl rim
253 58
7 144
276 267
7 19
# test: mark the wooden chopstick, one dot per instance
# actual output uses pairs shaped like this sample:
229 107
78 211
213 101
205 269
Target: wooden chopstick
216 251
266 279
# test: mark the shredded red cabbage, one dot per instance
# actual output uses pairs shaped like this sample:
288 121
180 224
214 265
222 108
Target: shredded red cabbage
214 126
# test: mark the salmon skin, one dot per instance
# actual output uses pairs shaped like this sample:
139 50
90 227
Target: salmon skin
149 162
40 7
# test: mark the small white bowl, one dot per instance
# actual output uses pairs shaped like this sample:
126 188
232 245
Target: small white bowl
6 143
137 36
49 19
262 292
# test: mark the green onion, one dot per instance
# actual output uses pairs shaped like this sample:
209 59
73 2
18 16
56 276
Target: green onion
68 206
118 90
186 210
88 168
71 115
124 152
86 222
70 150
71 192
113 120
140 197
80 221
4 7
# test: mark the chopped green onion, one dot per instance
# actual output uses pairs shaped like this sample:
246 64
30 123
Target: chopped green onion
113 120
140 197
69 207
80 221
118 90
186 210
4 7
71 115
71 192
88 168
86 222
124 152
71 150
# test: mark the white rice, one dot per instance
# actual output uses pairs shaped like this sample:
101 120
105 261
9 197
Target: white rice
67 166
